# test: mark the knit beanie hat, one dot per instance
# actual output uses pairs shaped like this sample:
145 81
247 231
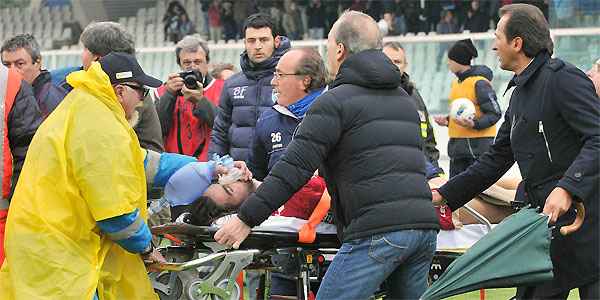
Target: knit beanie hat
462 52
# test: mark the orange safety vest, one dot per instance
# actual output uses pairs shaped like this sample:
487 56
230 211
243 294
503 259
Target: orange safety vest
466 89
10 83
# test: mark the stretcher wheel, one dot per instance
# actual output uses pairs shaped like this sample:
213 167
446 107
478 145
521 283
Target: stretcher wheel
175 292
195 291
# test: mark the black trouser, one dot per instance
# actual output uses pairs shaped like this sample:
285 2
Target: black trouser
590 291
460 164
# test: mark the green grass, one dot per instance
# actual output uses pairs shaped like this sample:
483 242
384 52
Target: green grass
500 294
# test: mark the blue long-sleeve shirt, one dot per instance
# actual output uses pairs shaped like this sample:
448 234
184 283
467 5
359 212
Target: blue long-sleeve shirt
129 231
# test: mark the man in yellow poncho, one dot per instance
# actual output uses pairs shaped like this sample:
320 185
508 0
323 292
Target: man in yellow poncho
76 227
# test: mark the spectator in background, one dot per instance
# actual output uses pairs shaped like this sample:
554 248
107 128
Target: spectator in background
187 114
374 9
316 20
214 21
248 93
594 75
544 5
22 52
386 24
470 138
222 71
204 5
172 20
302 7
241 10
186 27
331 15
358 5
446 26
433 12
476 20
228 21
396 8
414 17
276 13
395 52
291 21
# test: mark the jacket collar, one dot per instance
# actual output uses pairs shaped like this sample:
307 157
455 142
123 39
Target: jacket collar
39 81
208 82
284 111
538 61
305 103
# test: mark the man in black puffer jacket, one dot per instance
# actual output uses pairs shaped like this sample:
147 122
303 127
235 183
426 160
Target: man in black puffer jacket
364 135
247 94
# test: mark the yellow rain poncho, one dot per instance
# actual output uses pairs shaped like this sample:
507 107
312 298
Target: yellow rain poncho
83 165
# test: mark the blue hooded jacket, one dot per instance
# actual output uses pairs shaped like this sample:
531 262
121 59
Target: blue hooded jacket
245 96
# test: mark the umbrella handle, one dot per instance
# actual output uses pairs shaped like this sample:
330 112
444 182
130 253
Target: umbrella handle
566 230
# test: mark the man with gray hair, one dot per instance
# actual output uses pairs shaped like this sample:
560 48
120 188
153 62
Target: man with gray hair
363 134
98 40
298 80
187 101
22 52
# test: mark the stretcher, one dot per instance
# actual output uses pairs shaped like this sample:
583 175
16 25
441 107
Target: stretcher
199 268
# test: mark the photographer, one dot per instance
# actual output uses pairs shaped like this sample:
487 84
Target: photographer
187 101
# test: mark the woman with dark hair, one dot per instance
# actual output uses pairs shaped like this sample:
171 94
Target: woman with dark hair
172 20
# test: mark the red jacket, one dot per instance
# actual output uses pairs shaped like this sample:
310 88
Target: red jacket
303 202
185 132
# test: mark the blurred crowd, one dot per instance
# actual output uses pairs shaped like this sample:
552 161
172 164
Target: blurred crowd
312 19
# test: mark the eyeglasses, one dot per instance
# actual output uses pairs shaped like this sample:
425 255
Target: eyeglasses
142 90
278 75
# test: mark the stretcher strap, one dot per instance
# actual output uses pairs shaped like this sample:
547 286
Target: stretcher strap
308 232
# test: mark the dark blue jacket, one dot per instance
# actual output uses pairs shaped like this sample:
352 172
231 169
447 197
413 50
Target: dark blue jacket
550 130
47 94
274 132
245 96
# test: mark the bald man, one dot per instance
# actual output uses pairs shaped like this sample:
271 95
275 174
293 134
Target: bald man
364 136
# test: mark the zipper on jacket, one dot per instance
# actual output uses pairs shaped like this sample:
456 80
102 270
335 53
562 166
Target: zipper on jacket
541 130
470 148
512 126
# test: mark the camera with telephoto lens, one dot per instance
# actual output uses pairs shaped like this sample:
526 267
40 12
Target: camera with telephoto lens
191 78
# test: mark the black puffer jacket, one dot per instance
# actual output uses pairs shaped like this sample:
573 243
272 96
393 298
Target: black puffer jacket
23 121
365 134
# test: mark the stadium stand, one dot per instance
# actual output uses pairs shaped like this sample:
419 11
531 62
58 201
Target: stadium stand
49 24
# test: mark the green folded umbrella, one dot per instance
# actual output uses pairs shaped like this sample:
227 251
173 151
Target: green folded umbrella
515 253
